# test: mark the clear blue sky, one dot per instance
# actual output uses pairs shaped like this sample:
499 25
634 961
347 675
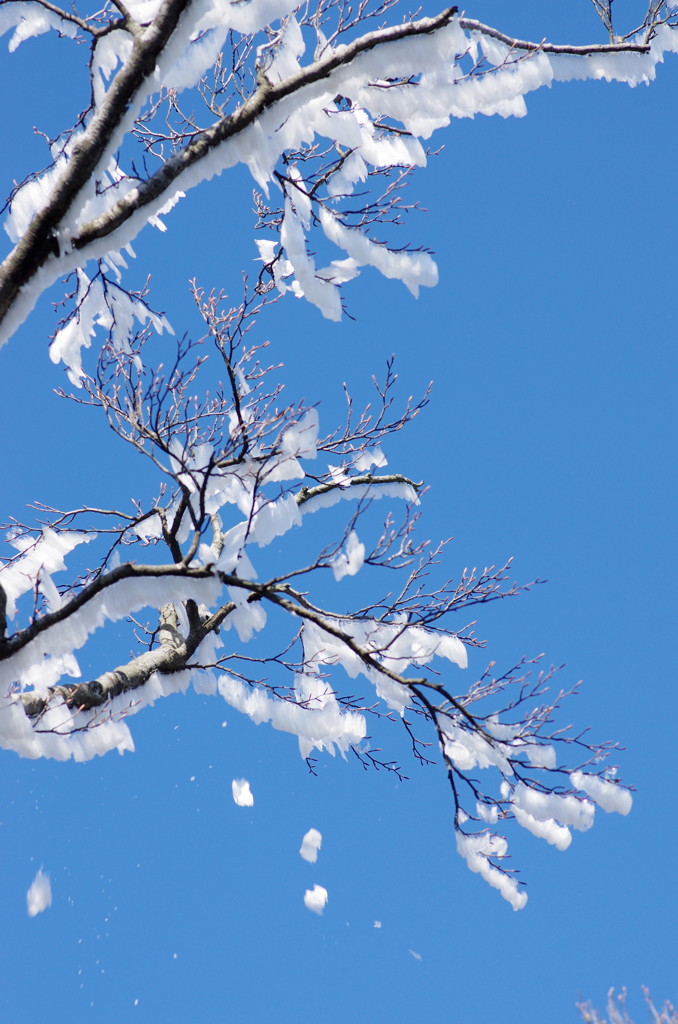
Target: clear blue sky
551 436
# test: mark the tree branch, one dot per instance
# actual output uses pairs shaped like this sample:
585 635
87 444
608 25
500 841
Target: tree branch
587 50
267 95
40 240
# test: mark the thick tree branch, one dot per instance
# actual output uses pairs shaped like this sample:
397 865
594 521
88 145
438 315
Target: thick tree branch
171 655
43 240
40 240
268 95
126 571
264 98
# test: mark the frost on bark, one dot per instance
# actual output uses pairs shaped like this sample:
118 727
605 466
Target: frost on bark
330 108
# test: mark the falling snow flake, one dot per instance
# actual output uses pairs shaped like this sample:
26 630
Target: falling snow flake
39 896
242 793
310 845
315 899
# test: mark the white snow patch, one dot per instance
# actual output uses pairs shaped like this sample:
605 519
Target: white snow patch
274 519
477 851
468 750
32 19
110 50
149 528
39 895
322 725
547 828
42 556
609 795
414 269
349 561
307 284
315 899
310 845
488 813
242 793
568 810
300 439
395 645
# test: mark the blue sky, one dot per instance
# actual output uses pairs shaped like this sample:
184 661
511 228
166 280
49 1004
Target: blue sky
551 437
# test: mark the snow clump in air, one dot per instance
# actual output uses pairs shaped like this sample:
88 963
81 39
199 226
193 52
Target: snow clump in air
310 845
315 899
242 793
39 896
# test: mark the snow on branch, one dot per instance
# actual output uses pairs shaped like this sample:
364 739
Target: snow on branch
330 120
195 575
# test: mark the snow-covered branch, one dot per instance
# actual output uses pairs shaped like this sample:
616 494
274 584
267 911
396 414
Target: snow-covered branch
237 469
330 119
44 235
356 112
